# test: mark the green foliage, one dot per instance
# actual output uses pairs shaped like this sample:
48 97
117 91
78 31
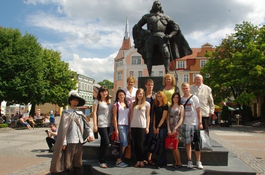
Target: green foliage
4 125
31 74
106 83
237 65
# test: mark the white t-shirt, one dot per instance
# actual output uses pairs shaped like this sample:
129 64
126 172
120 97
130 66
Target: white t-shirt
190 112
139 116
123 118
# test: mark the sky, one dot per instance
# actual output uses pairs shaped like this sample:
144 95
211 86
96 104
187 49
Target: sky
89 33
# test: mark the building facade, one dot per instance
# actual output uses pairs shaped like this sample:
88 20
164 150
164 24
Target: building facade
85 89
129 62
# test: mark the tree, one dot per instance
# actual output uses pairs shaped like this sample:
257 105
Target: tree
20 67
58 78
31 74
236 67
106 83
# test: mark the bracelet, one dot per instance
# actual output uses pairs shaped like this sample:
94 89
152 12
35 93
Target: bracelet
200 123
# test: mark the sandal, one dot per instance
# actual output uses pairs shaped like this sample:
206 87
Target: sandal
103 165
150 162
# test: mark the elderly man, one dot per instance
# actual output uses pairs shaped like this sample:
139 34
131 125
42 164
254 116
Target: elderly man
161 40
204 93
73 132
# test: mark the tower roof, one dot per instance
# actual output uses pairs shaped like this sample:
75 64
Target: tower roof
126 44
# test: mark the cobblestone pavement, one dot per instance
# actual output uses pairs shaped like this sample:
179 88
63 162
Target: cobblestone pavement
246 142
24 152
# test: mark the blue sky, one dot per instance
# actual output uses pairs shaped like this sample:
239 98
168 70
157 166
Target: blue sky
89 33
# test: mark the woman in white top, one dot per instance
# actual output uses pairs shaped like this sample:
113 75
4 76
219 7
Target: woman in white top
140 120
101 120
130 91
121 122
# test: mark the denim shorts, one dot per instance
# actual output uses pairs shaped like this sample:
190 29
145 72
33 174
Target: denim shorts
123 132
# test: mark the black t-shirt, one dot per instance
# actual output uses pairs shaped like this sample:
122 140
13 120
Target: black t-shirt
159 114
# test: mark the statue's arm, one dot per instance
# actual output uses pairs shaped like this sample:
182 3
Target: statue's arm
173 26
141 22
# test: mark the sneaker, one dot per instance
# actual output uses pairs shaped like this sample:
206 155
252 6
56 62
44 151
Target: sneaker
199 165
121 164
189 165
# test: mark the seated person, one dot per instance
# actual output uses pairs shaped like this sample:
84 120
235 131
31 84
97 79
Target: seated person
51 136
24 123
46 120
31 121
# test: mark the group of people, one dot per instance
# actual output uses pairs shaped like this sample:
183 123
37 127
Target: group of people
140 114
136 114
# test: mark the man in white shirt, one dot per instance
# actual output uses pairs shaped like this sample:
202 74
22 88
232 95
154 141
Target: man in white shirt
191 125
204 93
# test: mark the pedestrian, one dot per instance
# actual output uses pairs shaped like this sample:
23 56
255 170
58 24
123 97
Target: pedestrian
51 136
121 112
130 90
139 125
174 121
102 121
73 132
160 124
191 124
204 93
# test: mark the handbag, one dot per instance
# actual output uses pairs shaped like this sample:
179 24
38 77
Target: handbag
205 141
171 142
154 144
116 148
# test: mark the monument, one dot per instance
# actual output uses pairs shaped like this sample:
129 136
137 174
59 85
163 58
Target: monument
162 41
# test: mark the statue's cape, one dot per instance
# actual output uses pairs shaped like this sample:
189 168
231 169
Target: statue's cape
178 45
57 163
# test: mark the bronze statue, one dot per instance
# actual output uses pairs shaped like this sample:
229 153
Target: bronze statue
161 41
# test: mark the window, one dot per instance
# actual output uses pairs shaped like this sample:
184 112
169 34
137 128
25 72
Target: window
186 78
181 64
140 73
194 77
131 73
161 73
119 75
119 63
203 62
136 59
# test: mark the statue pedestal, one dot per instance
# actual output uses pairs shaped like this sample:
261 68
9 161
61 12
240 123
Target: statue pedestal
158 82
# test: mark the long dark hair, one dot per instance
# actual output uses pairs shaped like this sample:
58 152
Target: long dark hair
102 89
179 101
117 97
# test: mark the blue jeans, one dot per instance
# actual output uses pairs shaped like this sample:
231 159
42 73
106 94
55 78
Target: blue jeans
163 155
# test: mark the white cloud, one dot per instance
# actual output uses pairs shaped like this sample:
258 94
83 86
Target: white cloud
96 68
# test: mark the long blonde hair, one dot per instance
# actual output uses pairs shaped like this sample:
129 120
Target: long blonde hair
137 100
